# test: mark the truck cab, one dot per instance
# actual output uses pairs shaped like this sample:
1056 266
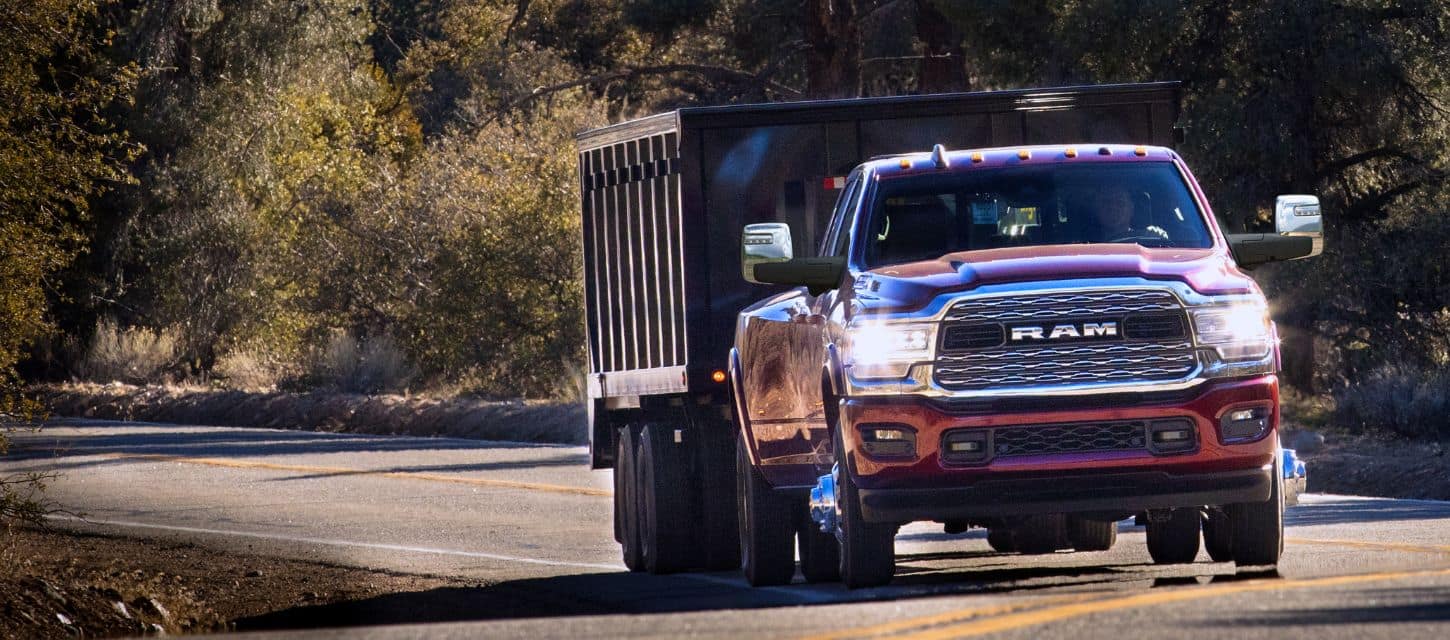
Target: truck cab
1038 340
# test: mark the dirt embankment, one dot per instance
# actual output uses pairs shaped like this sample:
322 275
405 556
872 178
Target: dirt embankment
1378 466
57 584
522 421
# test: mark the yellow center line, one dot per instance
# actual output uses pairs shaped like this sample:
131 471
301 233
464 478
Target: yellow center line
958 615
1384 546
1043 615
344 471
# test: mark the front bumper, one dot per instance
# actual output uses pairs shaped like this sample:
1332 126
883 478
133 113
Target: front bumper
924 486
1115 493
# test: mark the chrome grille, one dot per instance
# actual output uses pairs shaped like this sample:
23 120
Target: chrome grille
1162 354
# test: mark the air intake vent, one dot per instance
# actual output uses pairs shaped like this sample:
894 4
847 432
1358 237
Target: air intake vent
1154 326
977 336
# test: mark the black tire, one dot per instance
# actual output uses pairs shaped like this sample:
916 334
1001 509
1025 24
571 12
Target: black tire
663 500
1258 528
767 532
1174 540
719 533
1091 535
1001 540
1218 536
1040 534
820 553
626 505
868 549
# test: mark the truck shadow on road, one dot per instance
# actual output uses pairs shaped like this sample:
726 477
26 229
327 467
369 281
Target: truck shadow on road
634 593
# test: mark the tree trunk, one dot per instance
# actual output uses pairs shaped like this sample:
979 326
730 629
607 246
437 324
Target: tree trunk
833 52
943 63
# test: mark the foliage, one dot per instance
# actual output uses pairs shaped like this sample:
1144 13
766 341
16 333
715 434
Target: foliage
132 354
400 172
1400 400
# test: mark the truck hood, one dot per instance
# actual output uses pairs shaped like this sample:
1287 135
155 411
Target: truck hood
911 285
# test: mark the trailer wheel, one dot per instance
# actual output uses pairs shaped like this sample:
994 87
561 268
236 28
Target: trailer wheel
1000 539
1258 528
1091 535
663 501
1040 534
766 526
868 550
1218 536
1174 540
820 552
626 506
719 531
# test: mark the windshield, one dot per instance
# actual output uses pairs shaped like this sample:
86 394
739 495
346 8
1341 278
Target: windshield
925 217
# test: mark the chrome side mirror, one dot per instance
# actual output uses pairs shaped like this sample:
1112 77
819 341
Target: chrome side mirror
764 243
1299 215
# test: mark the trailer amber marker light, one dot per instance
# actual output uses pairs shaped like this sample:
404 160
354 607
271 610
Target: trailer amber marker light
718 376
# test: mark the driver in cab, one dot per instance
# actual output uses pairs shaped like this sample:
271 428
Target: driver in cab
1113 212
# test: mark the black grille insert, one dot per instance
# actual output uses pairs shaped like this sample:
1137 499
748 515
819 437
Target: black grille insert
1070 438
1156 326
972 336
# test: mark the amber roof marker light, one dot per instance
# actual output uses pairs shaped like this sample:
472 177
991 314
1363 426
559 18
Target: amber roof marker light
1140 151
1070 152
1024 155
977 157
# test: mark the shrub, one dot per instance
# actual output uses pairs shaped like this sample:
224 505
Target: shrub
133 354
1401 400
251 369
377 365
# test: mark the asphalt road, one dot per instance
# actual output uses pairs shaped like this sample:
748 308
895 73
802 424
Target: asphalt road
532 525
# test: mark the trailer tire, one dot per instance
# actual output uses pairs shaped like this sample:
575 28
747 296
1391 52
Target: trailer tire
1174 540
663 501
767 533
1218 536
1258 528
1040 534
820 553
868 549
1091 535
1001 540
719 531
626 506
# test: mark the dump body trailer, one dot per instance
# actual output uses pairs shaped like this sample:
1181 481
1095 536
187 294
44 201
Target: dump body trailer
664 199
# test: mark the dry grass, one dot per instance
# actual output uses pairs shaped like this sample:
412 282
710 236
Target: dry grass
516 420
129 354
377 365
1398 400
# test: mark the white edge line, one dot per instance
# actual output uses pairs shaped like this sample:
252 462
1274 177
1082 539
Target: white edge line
335 543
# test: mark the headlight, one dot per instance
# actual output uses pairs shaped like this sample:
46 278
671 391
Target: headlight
1240 332
888 350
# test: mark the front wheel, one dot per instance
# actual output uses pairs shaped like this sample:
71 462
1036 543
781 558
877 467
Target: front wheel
767 529
1258 527
1218 536
868 549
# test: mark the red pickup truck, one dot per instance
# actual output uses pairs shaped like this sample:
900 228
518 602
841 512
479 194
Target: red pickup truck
1035 339
1039 340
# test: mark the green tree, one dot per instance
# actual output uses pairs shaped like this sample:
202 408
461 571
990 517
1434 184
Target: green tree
58 151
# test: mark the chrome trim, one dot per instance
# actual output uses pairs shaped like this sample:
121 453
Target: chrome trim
920 379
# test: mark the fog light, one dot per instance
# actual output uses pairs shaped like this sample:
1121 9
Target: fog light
1172 436
1244 425
967 446
888 440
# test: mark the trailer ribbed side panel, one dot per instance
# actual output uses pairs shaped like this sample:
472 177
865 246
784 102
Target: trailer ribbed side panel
634 266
